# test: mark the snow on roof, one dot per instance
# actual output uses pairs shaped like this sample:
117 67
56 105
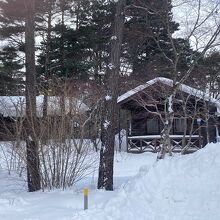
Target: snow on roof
187 89
14 106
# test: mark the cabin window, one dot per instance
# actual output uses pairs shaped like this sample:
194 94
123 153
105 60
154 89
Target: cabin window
153 126
179 125
137 127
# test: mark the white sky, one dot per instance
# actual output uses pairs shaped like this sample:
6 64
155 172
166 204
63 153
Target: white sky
186 13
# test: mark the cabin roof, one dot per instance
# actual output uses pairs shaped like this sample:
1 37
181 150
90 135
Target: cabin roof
187 89
15 106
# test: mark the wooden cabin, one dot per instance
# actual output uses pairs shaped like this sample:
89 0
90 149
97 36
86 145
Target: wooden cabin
144 107
13 117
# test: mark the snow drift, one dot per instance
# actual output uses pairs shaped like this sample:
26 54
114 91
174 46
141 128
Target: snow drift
177 188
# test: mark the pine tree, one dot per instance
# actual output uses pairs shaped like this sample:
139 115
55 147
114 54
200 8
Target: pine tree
12 27
11 76
106 166
206 75
33 170
85 43
22 13
147 37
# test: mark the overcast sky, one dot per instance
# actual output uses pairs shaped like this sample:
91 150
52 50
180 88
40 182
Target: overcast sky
186 12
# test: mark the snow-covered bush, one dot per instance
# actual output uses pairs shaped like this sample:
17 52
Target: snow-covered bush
65 153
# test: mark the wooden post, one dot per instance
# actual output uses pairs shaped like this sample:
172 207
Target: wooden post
155 145
119 129
85 193
200 133
141 145
127 130
200 138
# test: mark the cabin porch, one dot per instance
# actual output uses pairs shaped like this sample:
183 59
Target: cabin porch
143 112
152 143
143 133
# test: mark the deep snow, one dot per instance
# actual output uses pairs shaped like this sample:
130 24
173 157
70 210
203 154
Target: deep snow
177 188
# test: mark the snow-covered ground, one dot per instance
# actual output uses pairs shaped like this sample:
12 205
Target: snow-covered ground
177 188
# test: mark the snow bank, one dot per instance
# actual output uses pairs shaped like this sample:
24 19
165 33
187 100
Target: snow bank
17 204
177 188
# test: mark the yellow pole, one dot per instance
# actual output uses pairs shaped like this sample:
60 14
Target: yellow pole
85 193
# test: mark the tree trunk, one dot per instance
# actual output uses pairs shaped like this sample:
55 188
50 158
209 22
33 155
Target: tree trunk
33 174
105 179
47 65
168 124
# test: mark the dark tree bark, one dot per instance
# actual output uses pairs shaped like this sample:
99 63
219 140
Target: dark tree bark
105 179
33 174
47 65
